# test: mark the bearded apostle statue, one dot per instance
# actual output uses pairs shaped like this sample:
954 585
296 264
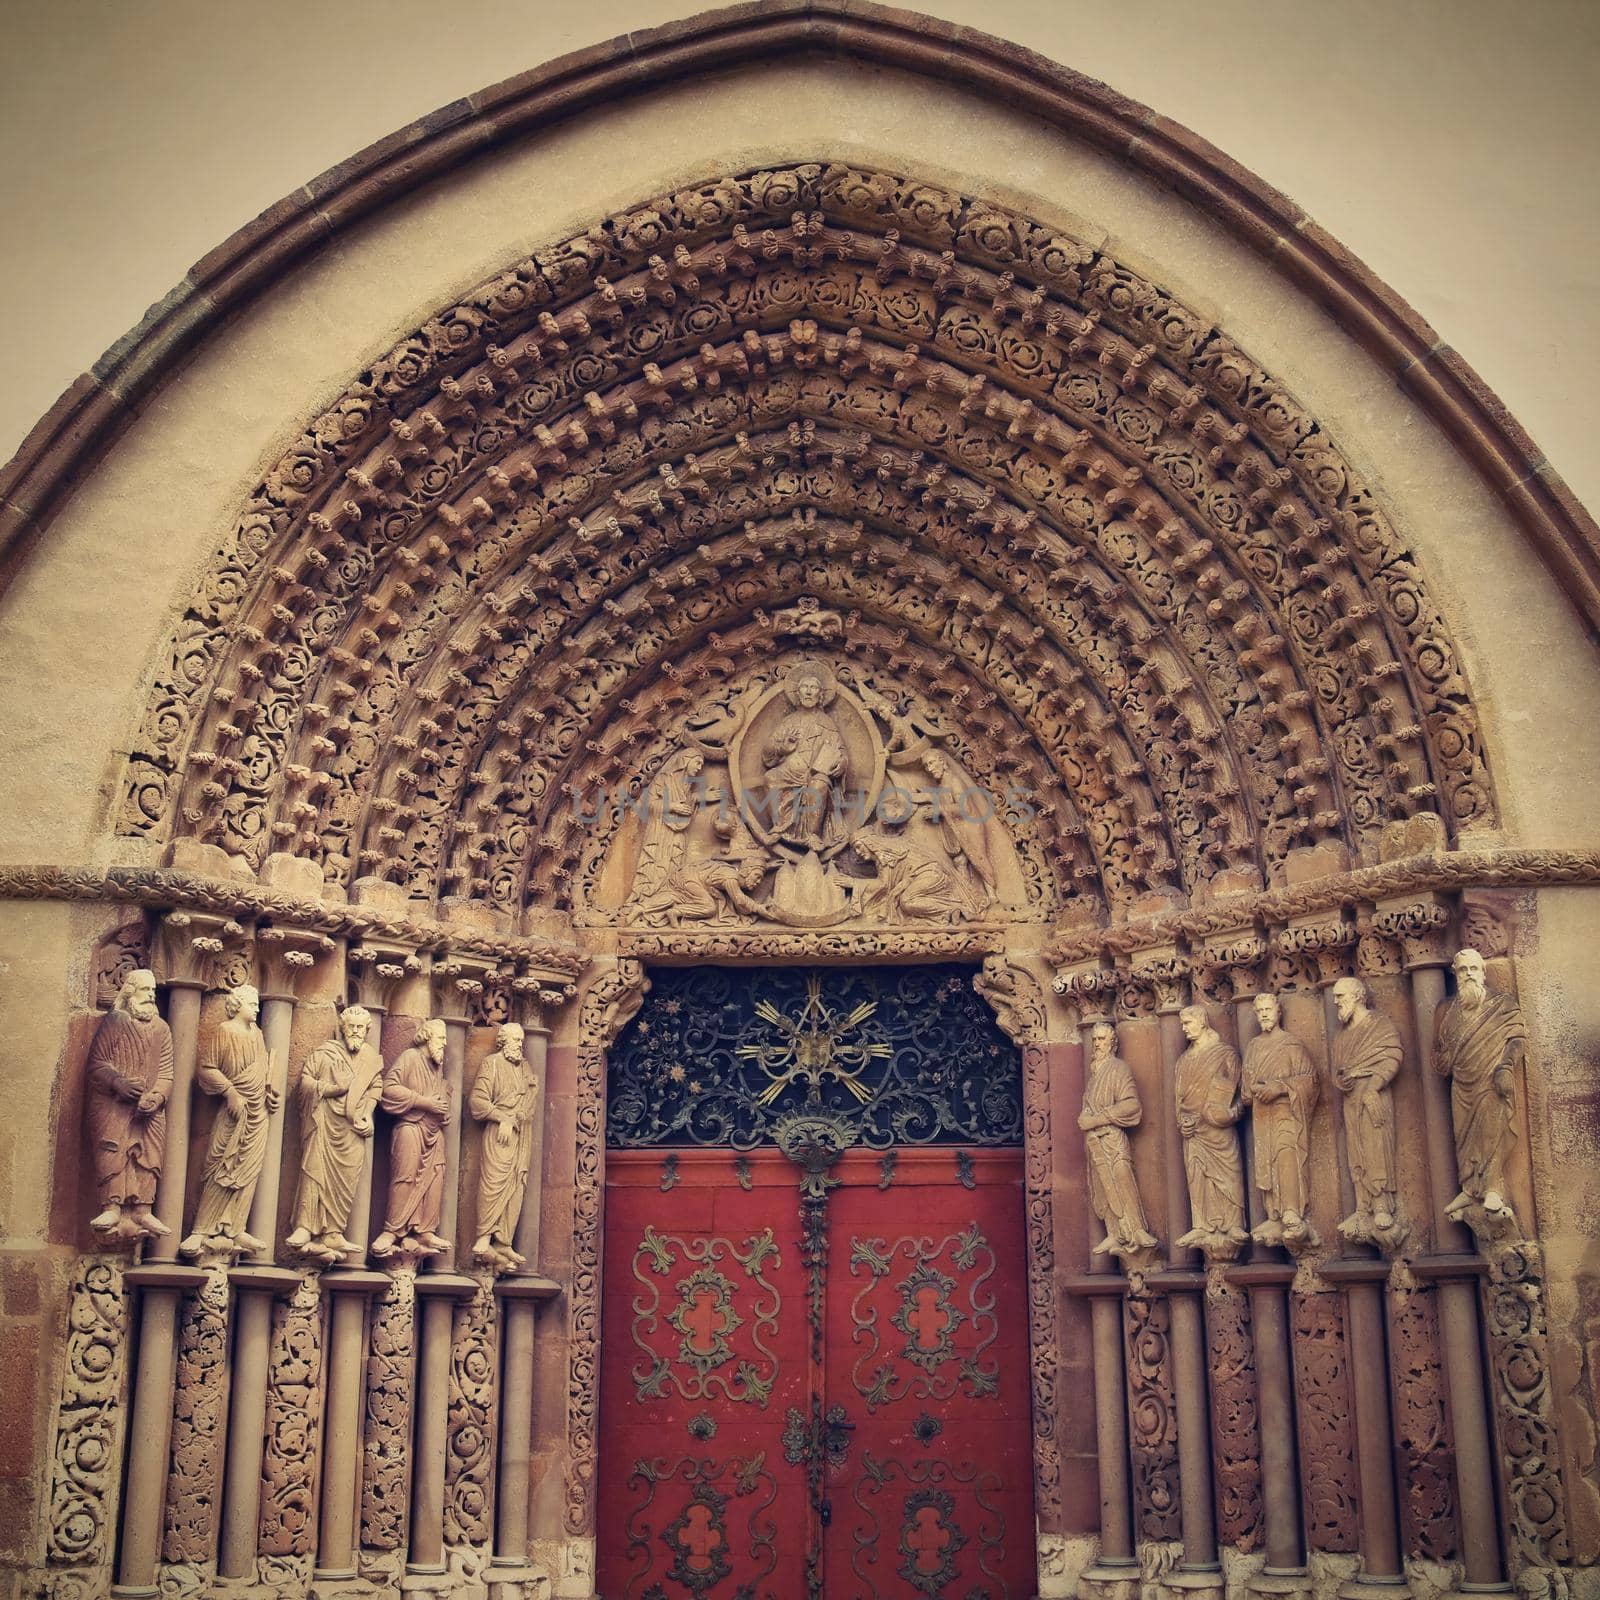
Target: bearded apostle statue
236 1067
1366 1057
339 1087
1280 1083
504 1098
1478 1043
130 1078
1110 1107
416 1094
1208 1107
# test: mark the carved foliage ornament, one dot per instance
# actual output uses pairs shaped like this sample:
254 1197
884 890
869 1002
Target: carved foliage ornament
423 630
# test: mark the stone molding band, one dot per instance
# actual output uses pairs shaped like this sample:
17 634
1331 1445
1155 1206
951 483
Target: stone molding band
1439 872
90 415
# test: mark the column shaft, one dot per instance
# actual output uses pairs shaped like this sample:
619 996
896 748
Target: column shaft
341 1477
247 1420
429 1440
144 1495
455 1060
1194 1434
1380 1538
183 1017
1280 1479
1111 1432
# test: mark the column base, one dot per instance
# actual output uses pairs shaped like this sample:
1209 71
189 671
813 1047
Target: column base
1207 1577
1110 1580
1361 1587
1279 1580
518 1582
135 1591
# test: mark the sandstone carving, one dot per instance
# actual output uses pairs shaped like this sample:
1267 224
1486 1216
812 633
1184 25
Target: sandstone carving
1479 1038
1281 1085
1208 1108
504 1099
1110 1108
130 1078
416 1095
1366 1057
339 1087
237 1068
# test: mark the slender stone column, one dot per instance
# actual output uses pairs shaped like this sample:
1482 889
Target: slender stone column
456 983
375 974
1184 1284
285 956
1454 1263
186 946
520 1297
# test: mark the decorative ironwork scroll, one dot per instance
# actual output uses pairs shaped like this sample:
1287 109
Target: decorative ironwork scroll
721 1526
905 1056
925 1528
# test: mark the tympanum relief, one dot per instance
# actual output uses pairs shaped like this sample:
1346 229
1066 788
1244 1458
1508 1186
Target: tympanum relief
809 794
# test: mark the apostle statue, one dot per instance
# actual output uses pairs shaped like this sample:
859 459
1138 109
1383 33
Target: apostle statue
416 1094
339 1087
1478 1043
130 1078
1208 1107
505 1096
1110 1108
236 1067
1366 1057
1280 1082
804 761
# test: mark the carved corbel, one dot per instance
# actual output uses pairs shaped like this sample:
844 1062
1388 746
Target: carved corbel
284 956
192 949
459 981
1014 995
375 969
1418 925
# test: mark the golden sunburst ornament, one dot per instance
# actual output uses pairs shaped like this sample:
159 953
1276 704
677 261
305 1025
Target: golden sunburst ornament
813 1047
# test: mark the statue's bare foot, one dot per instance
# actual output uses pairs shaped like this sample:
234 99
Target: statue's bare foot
483 1248
1357 1228
248 1241
432 1242
109 1220
298 1240
1495 1204
148 1224
337 1245
1193 1239
1460 1206
1107 1245
1269 1232
1143 1240
383 1245
194 1245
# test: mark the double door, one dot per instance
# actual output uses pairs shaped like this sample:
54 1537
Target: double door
815 1388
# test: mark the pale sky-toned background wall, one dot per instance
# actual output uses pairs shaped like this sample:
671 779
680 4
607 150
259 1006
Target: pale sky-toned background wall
1452 144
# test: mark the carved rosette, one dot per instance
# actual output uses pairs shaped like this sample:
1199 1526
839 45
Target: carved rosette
609 1004
1018 1004
1425 1449
469 1452
1152 1418
199 1417
1519 1384
85 1461
386 1433
1323 1412
294 1411
1235 1422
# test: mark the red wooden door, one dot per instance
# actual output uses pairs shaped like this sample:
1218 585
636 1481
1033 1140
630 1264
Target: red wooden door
857 1418
703 1352
927 1352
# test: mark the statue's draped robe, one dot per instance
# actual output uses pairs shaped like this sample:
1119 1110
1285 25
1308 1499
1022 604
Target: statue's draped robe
333 1152
803 759
238 1060
504 1090
417 1151
1366 1056
1113 1187
671 806
1469 1044
128 1145
1207 1088
1281 1126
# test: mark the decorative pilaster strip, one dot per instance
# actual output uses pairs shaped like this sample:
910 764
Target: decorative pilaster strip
86 1458
200 1405
1235 1419
1153 1419
1323 1412
609 1004
294 1411
1018 1004
1426 1451
386 1432
469 1457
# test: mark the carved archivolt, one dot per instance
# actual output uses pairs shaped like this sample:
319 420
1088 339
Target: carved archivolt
1030 488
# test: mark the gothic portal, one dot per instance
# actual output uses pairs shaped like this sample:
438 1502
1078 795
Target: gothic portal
817 824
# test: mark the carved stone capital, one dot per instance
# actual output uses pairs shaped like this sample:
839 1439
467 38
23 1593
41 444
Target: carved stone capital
1089 992
1162 972
284 956
459 981
1419 924
537 996
1323 947
376 968
1236 959
192 946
